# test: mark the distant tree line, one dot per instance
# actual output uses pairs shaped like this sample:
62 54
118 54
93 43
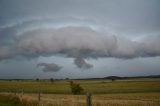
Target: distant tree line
108 77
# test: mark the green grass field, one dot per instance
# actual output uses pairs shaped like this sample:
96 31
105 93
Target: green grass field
93 86
8 100
137 92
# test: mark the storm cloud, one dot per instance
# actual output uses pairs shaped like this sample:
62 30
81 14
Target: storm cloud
81 31
76 42
81 63
49 67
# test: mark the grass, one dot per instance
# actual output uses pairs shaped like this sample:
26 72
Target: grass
137 92
127 99
8 100
93 86
15 100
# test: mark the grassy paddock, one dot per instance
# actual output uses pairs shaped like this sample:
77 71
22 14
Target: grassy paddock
93 86
137 92
9 100
127 99
131 99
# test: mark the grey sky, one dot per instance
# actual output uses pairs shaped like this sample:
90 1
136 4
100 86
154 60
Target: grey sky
117 37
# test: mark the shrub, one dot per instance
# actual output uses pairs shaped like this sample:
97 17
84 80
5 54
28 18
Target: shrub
52 80
9 100
75 88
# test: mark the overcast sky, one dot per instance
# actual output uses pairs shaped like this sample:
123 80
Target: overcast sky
79 38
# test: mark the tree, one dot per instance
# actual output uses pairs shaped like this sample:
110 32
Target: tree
52 80
37 79
75 88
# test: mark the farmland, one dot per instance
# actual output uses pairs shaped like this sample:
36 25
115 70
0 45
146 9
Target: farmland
138 92
93 86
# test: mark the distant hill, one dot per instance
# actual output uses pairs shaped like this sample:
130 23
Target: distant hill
133 77
108 77
118 77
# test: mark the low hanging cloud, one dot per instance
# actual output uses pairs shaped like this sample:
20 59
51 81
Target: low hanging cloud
81 63
76 42
49 67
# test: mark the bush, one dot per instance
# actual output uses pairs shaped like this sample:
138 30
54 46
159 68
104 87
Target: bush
52 80
9 100
75 88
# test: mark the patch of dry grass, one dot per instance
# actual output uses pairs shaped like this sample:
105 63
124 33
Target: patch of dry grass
130 99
